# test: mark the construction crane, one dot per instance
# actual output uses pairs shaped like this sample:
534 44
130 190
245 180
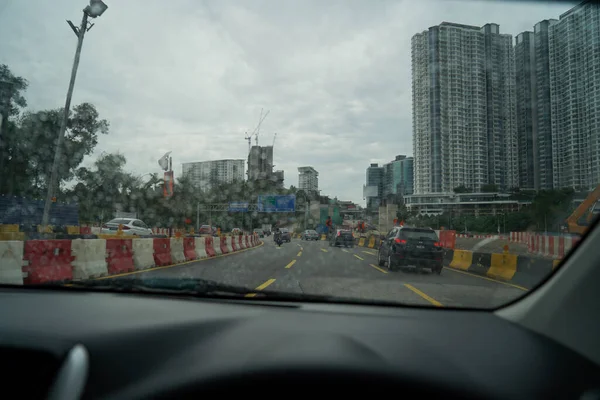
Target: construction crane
580 220
274 137
256 130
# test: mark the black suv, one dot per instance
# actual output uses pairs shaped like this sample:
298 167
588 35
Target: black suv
406 246
341 237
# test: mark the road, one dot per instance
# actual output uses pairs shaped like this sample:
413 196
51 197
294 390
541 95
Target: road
315 268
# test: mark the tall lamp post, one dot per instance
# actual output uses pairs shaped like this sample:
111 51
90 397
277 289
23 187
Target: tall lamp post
5 96
94 10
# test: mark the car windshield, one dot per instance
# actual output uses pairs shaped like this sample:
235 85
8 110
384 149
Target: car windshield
427 153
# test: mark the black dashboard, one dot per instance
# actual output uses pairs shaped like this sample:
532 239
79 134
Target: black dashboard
74 344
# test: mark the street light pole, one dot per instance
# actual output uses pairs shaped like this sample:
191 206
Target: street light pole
63 124
95 9
5 96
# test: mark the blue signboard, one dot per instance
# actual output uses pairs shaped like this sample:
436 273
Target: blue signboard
17 210
276 203
238 206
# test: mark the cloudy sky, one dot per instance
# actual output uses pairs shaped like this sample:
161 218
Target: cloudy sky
191 76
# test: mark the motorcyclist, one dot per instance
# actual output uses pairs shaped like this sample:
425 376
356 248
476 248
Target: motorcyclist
329 225
277 236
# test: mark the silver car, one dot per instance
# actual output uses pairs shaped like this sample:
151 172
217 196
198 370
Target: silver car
130 227
309 234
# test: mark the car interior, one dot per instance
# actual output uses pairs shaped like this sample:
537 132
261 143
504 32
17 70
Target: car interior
61 343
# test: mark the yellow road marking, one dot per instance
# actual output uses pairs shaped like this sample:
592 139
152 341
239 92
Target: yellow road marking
261 287
142 271
487 279
290 264
359 257
345 251
368 252
299 254
324 250
378 269
423 295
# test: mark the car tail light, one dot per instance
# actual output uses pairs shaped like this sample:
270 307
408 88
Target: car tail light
437 244
339 233
400 241
104 226
125 228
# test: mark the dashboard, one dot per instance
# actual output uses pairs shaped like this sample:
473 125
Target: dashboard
69 344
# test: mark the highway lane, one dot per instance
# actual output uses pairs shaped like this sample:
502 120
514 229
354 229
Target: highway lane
315 268
354 273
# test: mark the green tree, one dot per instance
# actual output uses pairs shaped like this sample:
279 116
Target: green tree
489 188
13 91
461 189
31 144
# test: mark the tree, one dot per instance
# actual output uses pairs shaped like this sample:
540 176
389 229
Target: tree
12 101
461 189
489 188
14 91
30 148
101 189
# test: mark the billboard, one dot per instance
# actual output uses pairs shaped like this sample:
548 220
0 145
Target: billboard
168 188
276 203
238 206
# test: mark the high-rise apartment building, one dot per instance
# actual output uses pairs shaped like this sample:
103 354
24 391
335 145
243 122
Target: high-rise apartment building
206 174
373 190
533 107
398 177
308 179
574 43
464 108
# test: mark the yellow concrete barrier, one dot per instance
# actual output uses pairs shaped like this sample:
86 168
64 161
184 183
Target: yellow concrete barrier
555 263
371 242
9 228
361 242
503 266
4 236
462 259
73 230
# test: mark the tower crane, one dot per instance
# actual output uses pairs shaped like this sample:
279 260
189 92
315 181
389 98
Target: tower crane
256 130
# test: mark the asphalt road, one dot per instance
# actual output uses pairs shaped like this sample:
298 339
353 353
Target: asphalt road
315 268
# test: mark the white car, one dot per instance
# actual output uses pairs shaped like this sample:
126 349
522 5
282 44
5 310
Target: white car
130 227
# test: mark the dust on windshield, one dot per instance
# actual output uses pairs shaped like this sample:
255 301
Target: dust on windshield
226 144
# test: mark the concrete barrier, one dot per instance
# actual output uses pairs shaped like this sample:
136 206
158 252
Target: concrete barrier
523 271
63 261
90 258
143 254
200 247
177 254
11 262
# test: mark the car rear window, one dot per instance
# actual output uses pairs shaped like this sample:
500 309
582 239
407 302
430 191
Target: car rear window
120 221
418 234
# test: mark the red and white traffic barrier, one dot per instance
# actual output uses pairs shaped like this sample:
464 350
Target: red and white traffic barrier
555 246
64 260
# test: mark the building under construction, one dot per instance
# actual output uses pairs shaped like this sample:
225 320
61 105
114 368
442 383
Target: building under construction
260 165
